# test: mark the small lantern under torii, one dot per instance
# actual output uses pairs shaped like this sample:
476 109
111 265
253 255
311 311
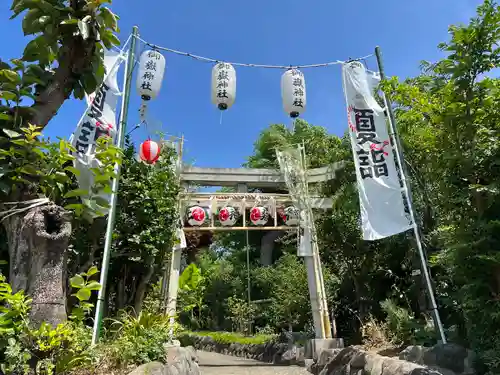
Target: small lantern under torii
293 92
150 74
291 215
228 216
259 215
223 85
196 216
149 151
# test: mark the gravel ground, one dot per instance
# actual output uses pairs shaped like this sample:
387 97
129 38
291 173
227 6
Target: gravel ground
221 364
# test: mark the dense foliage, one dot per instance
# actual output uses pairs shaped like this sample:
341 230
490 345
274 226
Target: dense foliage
448 118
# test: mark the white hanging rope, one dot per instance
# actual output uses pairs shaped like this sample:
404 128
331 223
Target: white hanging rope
30 204
208 59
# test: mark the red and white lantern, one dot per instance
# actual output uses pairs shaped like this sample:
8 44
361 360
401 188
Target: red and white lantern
228 216
291 215
196 216
149 151
259 215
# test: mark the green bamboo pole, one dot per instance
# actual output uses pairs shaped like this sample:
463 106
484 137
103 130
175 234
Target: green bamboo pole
129 67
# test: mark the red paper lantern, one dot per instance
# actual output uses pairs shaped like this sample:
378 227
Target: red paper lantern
259 215
149 151
196 216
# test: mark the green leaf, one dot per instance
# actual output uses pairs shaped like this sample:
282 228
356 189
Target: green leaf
6 117
61 177
78 313
30 170
89 83
109 19
8 95
76 193
10 75
29 79
3 171
92 271
114 39
19 6
28 93
71 21
43 5
83 294
31 24
11 133
77 207
77 281
37 49
36 69
93 285
78 91
19 64
4 188
73 170
107 189
101 202
109 39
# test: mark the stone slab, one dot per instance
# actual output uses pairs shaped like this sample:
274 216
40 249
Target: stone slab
314 347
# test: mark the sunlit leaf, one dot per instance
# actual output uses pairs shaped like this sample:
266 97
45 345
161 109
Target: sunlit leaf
76 193
77 281
83 294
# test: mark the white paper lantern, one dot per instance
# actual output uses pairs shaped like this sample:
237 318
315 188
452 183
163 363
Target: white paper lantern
228 216
259 215
150 74
293 92
196 216
291 215
223 85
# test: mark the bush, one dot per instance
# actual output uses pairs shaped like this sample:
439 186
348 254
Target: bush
137 340
376 334
45 349
403 328
226 338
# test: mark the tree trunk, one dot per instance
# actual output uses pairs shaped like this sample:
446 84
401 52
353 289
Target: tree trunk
120 290
267 246
38 249
141 289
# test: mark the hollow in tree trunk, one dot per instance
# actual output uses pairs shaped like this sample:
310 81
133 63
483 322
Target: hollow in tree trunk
38 245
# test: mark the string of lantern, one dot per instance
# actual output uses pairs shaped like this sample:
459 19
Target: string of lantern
293 87
293 92
249 65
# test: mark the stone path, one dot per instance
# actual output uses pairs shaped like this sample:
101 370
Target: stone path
221 364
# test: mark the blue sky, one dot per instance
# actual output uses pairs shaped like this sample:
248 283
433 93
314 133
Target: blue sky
267 32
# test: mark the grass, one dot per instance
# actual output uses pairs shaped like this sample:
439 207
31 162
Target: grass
233 337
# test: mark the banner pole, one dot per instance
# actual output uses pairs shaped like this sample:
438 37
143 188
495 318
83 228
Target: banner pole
129 68
406 189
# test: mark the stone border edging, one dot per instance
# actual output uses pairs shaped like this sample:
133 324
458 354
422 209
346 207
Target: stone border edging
355 360
271 352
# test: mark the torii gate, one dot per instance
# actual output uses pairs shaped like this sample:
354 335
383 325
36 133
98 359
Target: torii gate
243 179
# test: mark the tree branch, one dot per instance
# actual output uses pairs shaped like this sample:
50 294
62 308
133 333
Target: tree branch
75 59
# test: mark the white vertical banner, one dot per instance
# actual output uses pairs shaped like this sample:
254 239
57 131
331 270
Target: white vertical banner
99 119
380 192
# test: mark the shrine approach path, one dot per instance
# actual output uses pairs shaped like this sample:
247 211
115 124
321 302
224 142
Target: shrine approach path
221 364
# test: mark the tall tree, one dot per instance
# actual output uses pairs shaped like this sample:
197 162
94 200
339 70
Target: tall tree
450 119
64 57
